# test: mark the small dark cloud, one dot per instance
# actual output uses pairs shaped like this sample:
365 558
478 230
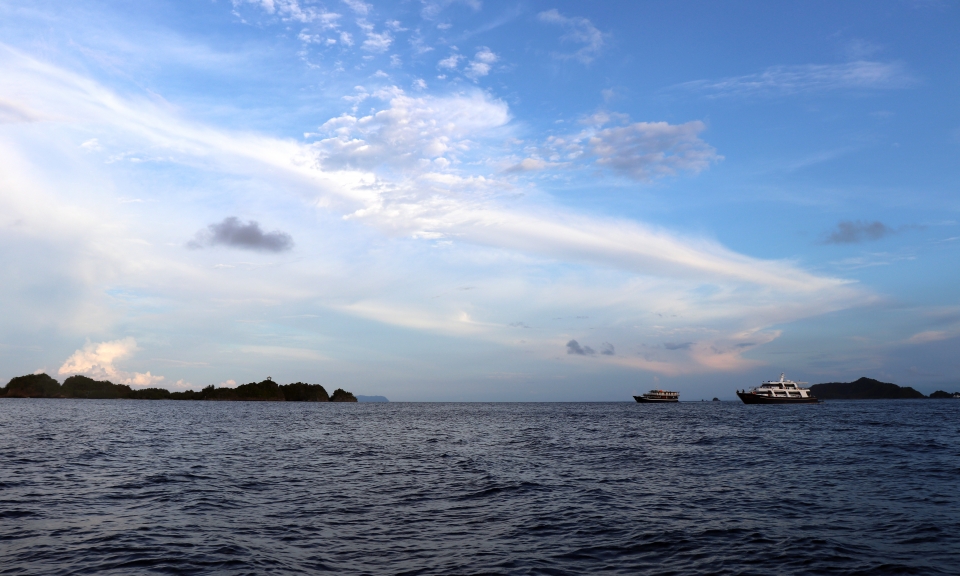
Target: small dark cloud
677 345
573 347
607 349
235 234
853 232
745 344
518 325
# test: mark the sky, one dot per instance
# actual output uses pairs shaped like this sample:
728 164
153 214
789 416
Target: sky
481 201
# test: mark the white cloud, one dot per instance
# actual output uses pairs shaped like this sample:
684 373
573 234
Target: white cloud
481 63
432 8
579 30
292 10
96 360
410 131
92 145
417 170
784 80
359 7
530 165
375 42
451 62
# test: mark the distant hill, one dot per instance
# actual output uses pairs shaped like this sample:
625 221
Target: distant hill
371 398
863 389
942 394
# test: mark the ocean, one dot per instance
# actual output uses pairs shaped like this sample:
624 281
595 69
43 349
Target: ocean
167 487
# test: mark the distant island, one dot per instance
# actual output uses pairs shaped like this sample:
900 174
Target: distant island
870 389
371 398
43 386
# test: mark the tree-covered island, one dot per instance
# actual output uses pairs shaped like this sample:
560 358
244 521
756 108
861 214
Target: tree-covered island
44 386
870 389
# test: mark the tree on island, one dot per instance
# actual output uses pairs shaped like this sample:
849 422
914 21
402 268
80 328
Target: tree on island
341 395
43 386
32 386
863 389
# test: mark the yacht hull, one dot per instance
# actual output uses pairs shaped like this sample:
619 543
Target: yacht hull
643 400
749 398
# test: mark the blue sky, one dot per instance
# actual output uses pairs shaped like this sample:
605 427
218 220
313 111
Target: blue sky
481 201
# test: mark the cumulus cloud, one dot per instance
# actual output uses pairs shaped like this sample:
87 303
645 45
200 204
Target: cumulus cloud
607 349
233 233
291 10
854 232
450 62
96 360
481 63
640 150
411 131
573 347
579 30
784 80
376 42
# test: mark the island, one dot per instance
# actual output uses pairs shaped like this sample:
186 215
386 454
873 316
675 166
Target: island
44 386
863 389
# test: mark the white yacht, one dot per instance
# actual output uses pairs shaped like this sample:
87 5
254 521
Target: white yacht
780 391
658 396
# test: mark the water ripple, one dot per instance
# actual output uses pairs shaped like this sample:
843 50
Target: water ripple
137 487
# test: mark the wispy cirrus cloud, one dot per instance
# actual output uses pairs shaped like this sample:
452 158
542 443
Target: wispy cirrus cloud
787 80
579 30
402 172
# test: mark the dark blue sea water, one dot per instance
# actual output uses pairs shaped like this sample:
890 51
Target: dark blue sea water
142 487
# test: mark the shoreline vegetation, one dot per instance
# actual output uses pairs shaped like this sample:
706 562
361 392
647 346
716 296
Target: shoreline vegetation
44 386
